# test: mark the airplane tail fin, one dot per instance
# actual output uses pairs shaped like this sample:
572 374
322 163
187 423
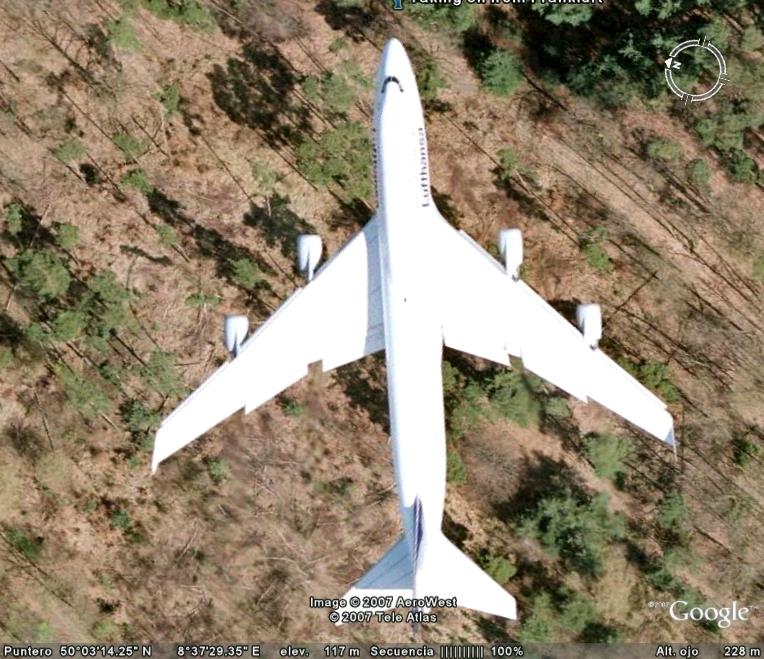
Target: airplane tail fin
390 578
444 571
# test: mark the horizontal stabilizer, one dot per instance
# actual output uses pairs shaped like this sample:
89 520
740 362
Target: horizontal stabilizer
447 572
392 577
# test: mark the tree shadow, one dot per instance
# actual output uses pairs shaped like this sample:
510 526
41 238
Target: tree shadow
137 251
350 19
476 46
30 230
279 224
445 204
455 532
254 90
543 477
353 214
11 333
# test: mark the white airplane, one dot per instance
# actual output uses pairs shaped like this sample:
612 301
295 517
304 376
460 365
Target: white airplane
408 283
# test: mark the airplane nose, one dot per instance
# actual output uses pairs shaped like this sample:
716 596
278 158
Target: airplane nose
395 64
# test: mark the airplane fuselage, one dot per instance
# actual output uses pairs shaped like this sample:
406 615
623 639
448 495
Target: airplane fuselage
413 335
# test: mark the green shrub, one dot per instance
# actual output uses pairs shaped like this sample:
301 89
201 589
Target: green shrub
43 632
217 470
25 545
202 300
245 272
6 357
169 97
699 173
105 630
575 529
452 19
591 245
68 325
508 164
67 235
266 178
138 180
129 145
168 237
36 335
568 613
500 72
664 150
540 625
598 258
654 375
556 407
160 373
498 567
70 149
14 218
752 38
512 397
41 273
467 410
122 35
741 167
744 450
107 304
564 14
758 268
120 519
672 513
138 418
333 92
607 454
429 79
338 44
292 408
577 613
456 470
83 391
339 156
597 632
186 12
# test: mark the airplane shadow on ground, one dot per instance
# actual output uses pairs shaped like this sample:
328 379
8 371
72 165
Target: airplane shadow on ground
254 90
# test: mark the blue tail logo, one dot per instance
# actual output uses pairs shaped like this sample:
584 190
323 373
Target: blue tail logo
398 4
418 528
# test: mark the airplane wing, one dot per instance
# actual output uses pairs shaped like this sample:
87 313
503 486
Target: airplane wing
488 314
335 319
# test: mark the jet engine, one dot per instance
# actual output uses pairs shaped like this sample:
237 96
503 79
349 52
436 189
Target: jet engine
589 321
309 249
235 329
511 249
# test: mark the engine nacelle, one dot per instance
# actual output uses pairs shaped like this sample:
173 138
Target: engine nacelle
235 330
511 249
309 249
589 321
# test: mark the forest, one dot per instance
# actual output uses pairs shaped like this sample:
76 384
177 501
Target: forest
159 159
